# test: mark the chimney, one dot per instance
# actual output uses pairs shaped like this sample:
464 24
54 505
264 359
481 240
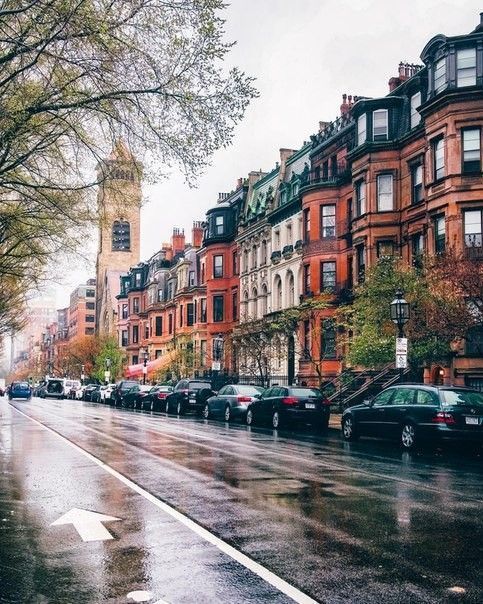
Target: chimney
239 183
344 108
177 240
168 251
222 197
405 71
197 233
479 27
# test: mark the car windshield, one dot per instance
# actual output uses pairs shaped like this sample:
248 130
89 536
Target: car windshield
249 389
163 388
198 385
310 392
127 385
462 397
22 386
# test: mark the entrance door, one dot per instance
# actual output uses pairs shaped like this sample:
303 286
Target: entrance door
291 360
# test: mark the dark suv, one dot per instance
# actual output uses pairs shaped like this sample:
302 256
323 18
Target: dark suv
189 395
120 391
413 413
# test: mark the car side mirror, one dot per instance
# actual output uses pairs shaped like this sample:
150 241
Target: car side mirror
368 402
257 396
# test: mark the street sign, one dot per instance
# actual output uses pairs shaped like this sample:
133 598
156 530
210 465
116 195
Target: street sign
107 375
216 366
83 377
401 346
88 524
145 370
401 361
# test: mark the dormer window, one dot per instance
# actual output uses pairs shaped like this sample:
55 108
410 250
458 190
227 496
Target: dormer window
414 113
361 129
466 67
283 196
380 125
137 280
295 188
219 225
439 75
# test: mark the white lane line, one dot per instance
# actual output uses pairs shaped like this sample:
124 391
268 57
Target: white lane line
289 590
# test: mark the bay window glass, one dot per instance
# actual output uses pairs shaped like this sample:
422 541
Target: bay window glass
360 194
439 234
438 158
472 226
380 125
385 201
466 67
416 183
471 150
327 276
218 311
328 339
219 225
361 129
414 113
440 75
217 267
327 222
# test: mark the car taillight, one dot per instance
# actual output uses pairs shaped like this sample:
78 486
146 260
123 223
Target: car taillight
444 418
290 400
162 395
325 401
244 399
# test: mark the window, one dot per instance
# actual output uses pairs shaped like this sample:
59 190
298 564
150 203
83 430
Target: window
121 236
403 396
327 276
135 334
219 225
439 75
203 310
380 125
146 331
158 354
89 331
439 234
217 266
327 222
385 249
191 278
135 306
234 306
438 158
325 170
385 202
203 353
218 311
254 256
328 346
417 250
263 259
181 315
124 339
361 129
295 188
137 279
170 323
466 67
416 183
306 225
307 288
472 226
124 312
424 397
289 234
135 359
234 262
360 194
361 263
203 272
90 293
306 335
90 305
160 295
190 314
90 319
471 151
415 101
383 398
158 326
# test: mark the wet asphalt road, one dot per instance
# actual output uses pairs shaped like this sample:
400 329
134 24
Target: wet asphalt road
341 522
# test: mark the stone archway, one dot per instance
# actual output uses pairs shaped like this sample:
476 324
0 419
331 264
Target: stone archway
437 375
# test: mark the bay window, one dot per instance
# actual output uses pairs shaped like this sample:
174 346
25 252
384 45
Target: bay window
380 125
385 202
440 75
414 113
466 67
471 160
361 129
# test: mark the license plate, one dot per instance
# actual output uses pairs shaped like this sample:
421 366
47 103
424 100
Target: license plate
192 399
473 421
310 405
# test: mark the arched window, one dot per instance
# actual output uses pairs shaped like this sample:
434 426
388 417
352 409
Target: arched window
278 300
245 306
264 300
254 256
263 259
245 261
290 289
121 236
254 313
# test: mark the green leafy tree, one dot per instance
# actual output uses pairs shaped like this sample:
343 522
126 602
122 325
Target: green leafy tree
109 350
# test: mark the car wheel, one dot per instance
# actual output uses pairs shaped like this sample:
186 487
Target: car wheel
227 414
179 408
408 436
250 418
275 420
206 411
348 429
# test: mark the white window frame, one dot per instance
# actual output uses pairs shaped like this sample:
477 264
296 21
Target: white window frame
466 67
440 75
380 132
361 131
385 198
415 116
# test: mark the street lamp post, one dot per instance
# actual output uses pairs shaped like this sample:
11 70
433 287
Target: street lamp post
400 316
145 364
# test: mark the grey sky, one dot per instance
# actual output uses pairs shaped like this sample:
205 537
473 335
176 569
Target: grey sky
304 54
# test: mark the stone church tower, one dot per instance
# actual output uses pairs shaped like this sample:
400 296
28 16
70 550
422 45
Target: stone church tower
119 208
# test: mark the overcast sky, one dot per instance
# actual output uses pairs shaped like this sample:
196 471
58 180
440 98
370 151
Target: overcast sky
304 54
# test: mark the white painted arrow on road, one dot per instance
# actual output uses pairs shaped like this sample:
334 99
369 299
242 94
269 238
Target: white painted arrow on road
88 524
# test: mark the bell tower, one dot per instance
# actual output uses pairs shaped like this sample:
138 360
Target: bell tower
119 212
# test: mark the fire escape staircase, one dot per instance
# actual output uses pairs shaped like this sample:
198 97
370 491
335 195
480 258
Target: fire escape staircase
351 387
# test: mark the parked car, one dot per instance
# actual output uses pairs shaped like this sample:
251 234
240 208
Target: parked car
189 395
79 393
70 388
133 395
283 406
231 402
54 388
155 398
416 413
89 391
19 390
121 390
106 394
96 395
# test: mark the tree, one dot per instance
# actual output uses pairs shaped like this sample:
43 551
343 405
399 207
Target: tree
108 350
445 298
82 350
75 75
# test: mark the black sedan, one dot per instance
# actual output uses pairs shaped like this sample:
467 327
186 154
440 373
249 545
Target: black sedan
90 392
189 395
155 398
231 402
284 406
415 413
